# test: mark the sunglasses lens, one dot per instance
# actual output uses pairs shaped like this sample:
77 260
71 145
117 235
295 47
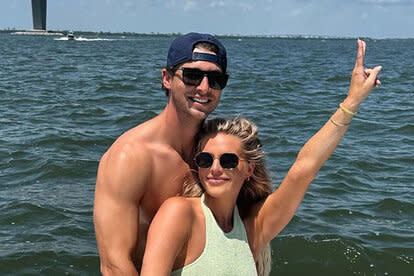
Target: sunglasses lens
204 160
217 80
229 161
192 77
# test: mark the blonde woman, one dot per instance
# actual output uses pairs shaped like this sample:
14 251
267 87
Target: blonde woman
225 231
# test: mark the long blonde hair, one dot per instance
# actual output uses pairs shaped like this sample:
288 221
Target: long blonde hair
255 188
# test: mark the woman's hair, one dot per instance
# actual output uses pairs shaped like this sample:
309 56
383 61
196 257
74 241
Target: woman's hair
257 187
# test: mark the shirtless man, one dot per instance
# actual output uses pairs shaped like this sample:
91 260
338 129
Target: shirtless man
150 162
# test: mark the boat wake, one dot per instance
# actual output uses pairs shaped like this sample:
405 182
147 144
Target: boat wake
85 39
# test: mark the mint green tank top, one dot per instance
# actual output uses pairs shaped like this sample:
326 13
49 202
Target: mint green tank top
224 253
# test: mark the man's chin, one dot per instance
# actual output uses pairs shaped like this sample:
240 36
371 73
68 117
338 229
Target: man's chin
200 112
199 115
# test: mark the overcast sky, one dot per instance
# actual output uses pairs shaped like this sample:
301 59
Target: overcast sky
350 18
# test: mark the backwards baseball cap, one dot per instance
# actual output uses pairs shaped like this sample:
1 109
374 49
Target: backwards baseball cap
181 50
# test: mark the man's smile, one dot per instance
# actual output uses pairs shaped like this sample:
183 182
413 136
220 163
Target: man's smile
199 100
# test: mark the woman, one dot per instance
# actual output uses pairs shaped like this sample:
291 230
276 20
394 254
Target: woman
225 231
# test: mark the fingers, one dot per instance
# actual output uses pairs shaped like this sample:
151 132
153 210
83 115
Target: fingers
372 75
360 53
364 46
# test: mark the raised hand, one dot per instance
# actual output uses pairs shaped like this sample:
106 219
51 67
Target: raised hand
363 80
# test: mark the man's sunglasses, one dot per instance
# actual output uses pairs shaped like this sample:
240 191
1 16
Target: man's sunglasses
228 161
194 76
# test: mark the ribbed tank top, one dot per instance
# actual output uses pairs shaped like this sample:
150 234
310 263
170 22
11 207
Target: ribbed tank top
224 253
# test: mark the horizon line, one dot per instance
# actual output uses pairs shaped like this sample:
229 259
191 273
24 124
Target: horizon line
292 36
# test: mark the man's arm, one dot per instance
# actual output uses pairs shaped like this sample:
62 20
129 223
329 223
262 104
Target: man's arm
279 208
120 186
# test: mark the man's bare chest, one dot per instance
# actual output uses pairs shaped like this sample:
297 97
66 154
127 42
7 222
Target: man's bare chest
166 182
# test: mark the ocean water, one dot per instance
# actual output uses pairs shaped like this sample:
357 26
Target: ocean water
64 102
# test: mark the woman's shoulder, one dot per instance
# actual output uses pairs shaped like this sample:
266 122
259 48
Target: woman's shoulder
183 207
178 215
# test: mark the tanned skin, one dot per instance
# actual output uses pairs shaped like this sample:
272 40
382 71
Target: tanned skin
145 166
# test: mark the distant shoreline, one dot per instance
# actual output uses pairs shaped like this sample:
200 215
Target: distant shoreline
152 34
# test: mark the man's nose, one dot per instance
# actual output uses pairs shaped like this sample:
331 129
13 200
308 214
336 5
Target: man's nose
203 86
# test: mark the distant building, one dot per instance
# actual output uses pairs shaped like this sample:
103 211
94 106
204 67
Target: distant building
39 20
39 14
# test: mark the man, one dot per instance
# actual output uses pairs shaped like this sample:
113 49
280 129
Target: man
150 163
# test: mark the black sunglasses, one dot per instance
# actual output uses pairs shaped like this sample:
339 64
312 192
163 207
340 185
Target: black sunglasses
228 161
194 76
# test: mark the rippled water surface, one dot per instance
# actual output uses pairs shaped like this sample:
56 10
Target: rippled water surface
64 102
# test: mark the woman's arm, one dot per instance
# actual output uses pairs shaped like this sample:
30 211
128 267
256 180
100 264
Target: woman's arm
168 233
278 209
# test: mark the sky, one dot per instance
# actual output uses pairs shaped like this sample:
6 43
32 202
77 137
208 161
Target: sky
337 18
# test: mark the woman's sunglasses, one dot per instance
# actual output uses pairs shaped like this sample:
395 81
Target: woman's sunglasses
194 76
228 161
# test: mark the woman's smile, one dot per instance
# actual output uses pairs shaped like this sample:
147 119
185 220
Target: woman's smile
217 180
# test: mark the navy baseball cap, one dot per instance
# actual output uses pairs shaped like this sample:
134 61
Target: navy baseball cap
181 50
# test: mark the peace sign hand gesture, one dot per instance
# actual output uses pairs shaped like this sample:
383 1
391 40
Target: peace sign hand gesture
363 80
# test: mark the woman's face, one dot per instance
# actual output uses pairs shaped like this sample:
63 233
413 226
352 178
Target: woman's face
216 180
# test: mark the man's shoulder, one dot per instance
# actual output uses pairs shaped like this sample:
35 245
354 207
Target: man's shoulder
127 162
142 138
135 142
126 151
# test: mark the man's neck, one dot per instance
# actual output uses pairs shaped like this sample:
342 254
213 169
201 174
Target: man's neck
179 131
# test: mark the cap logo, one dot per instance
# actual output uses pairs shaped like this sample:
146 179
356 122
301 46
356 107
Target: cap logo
205 57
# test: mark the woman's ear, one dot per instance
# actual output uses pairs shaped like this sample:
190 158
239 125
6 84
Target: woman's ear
250 169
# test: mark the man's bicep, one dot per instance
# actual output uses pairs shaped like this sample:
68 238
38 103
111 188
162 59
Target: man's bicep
116 228
118 193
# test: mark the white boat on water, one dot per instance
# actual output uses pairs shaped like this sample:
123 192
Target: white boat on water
71 36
